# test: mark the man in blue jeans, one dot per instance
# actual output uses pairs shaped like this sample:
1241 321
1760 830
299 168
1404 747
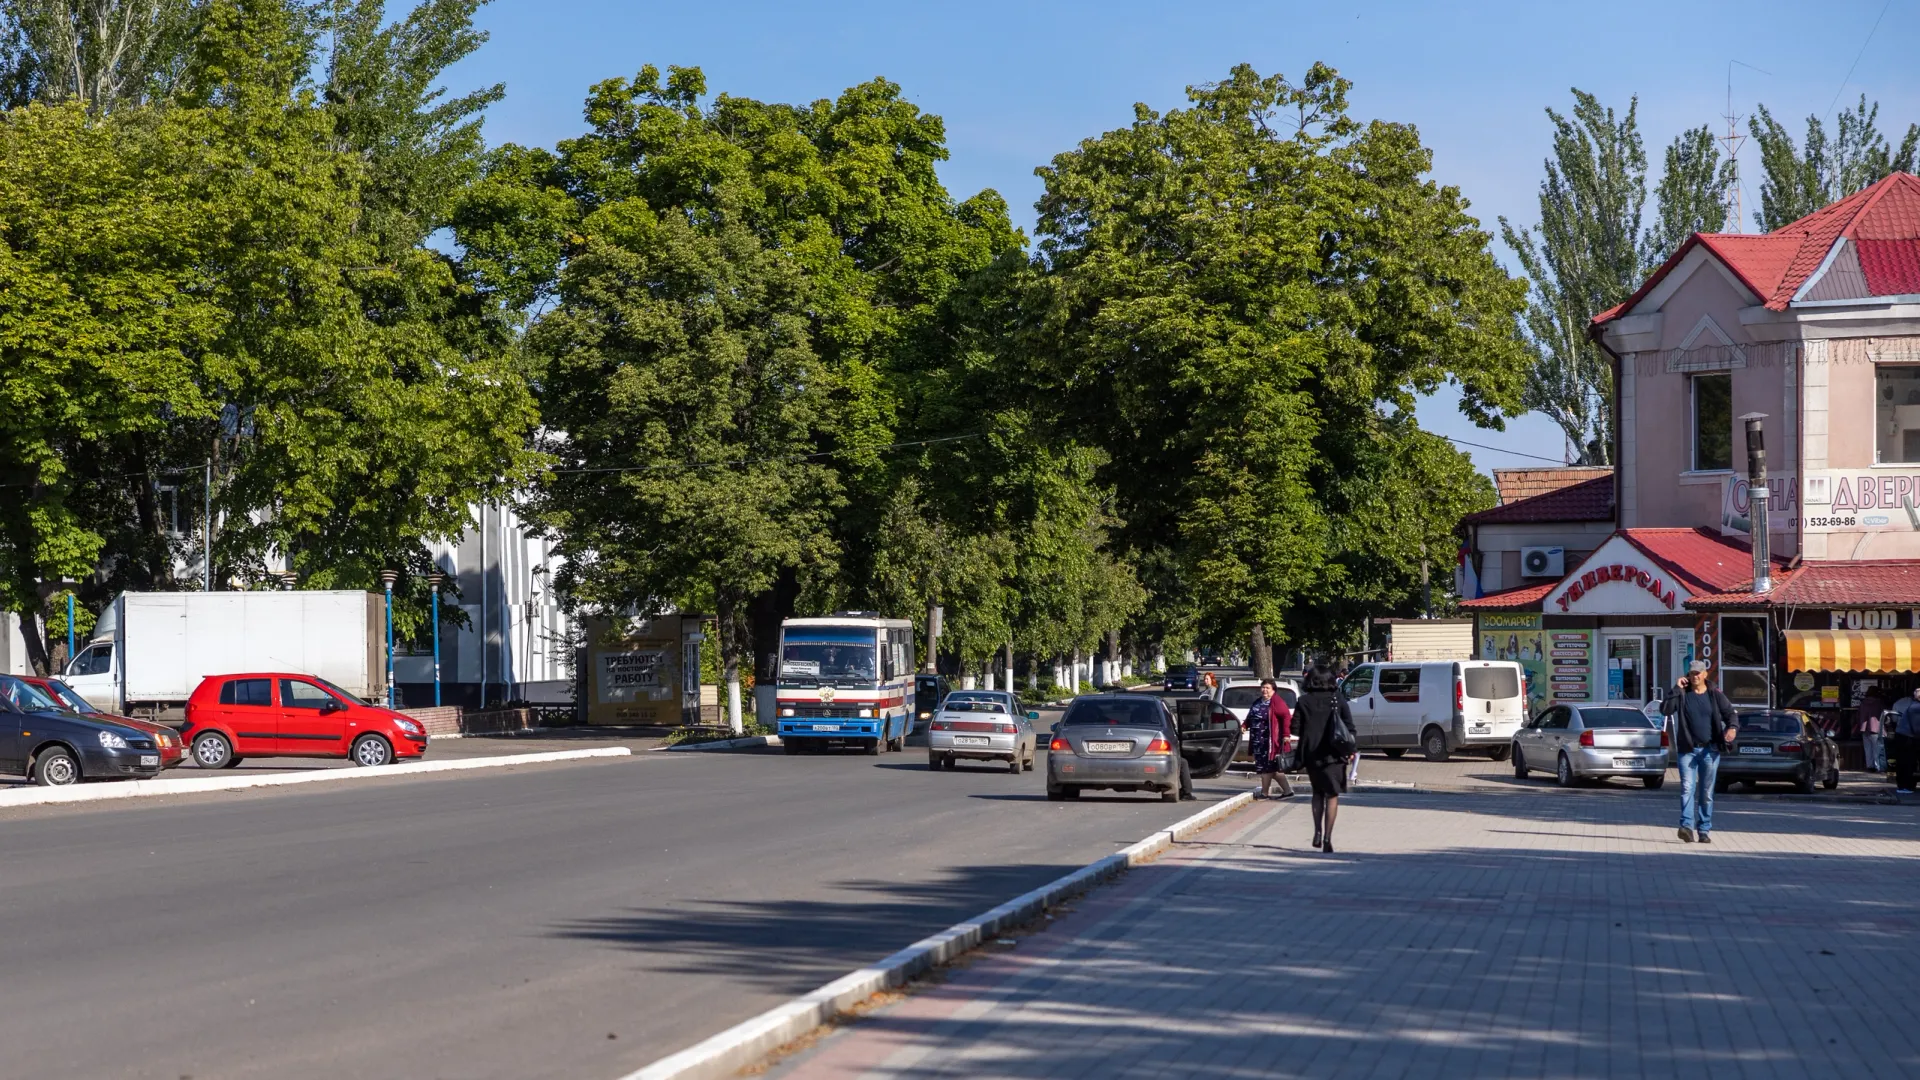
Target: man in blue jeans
1703 722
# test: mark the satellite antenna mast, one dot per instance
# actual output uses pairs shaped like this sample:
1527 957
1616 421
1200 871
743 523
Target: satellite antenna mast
1736 213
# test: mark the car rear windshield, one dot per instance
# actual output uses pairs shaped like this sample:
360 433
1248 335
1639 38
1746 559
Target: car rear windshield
958 703
1615 718
1770 723
1131 712
1492 683
1239 697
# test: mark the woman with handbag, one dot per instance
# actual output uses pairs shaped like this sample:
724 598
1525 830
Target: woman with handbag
1269 727
1324 728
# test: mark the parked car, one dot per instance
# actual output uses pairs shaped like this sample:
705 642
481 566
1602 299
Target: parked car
173 749
57 747
1122 742
1587 742
1438 706
1779 746
283 714
928 692
981 725
1182 677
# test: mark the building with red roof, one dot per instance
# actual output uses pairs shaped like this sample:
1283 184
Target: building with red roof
1813 330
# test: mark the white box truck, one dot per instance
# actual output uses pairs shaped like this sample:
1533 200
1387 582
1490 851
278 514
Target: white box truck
149 650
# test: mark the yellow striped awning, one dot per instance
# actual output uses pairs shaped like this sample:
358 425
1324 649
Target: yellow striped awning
1852 650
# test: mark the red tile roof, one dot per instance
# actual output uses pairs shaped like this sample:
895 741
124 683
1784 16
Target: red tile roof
1588 500
1892 267
1520 599
1516 484
1702 559
1852 584
1776 264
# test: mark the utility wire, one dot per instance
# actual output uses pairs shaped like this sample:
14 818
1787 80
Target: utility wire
699 465
1856 58
1500 450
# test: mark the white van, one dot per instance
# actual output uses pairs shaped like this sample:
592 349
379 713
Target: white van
1439 706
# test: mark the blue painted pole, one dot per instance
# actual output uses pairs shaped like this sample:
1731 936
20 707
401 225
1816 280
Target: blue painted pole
390 698
69 626
436 646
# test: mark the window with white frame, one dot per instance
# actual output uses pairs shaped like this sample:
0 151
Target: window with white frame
1712 401
1896 413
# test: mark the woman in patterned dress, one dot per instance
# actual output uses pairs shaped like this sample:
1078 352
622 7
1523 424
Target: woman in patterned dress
1269 730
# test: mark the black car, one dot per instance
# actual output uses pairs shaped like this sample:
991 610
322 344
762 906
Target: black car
56 747
1779 746
1209 735
1182 677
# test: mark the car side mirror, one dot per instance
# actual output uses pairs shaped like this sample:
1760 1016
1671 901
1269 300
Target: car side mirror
329 706
1033 714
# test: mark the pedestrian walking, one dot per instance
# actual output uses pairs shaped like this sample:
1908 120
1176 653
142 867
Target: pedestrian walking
1269 729
1324 729
1868 726
1703 722
1207 680
1906 741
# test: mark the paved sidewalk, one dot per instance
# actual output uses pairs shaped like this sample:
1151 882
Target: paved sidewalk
1453 934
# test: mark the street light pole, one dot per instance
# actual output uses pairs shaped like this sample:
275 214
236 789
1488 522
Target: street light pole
69 626
387 578
434 579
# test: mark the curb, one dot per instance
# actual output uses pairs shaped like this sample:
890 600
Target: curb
753 1039
133 789
726 744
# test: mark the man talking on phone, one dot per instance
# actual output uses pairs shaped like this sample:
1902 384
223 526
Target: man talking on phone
1704 722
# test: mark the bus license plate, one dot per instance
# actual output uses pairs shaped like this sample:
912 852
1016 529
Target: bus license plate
1109 747
826 727
971 740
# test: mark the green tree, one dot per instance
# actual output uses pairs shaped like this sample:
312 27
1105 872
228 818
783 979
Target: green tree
102 53
1797 180
1691 197
1236 293
1583 258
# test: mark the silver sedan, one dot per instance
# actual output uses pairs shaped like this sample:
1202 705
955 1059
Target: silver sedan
1121 742
981 725
1587 742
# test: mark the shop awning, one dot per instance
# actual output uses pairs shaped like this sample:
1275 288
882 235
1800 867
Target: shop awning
1852 650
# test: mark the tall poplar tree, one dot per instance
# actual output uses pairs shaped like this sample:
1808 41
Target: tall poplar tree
1796 180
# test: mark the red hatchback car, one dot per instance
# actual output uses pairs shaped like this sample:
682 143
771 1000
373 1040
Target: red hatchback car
275 714
173 747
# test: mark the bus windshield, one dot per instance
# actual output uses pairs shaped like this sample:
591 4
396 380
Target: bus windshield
842 661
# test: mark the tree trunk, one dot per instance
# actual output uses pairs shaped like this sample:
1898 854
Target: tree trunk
767 611
34 632
730 623
935 616
1262 654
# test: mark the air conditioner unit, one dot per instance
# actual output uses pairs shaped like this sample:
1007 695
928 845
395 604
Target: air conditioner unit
1543 562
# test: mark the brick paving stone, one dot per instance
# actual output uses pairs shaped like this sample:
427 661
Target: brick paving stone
1471 933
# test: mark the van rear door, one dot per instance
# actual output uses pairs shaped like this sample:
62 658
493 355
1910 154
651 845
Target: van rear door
1492 698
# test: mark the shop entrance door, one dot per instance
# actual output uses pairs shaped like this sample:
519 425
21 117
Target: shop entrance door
1660 663
1626 670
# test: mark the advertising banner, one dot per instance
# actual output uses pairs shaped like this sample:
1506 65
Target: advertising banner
1783 504
1862 500
1571 656
636 670
1518 637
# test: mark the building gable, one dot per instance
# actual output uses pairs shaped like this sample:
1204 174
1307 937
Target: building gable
1618 579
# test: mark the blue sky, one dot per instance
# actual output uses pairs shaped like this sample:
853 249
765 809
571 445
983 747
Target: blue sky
1020 82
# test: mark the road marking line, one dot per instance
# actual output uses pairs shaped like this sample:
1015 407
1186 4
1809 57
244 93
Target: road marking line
750 1040
133 789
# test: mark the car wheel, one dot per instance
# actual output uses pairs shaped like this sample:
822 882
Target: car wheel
370 751
1832 781
1434 744
1499 753
1520 770
948 761
1563 772
1029 764
1170 796
1653 783
211 750
55 767
1013 764
933 761
1396 753
1060 792
873 747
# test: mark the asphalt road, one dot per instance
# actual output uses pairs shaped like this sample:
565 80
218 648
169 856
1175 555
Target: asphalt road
564 920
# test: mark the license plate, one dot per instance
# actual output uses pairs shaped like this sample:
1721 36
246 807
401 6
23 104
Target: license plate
1629 762
149 759
1756 749
1479 728
826 727
1109 747
971 740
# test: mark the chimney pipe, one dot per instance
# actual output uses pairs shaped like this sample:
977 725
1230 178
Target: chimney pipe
1757 501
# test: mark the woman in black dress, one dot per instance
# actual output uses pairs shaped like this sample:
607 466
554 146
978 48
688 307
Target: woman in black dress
1319 708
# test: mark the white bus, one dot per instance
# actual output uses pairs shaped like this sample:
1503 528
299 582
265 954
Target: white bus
845 680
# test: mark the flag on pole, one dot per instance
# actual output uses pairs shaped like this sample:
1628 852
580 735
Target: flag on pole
1465 581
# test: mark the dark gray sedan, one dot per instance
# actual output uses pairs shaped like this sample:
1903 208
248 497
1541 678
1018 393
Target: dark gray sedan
1779 746
1121 742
